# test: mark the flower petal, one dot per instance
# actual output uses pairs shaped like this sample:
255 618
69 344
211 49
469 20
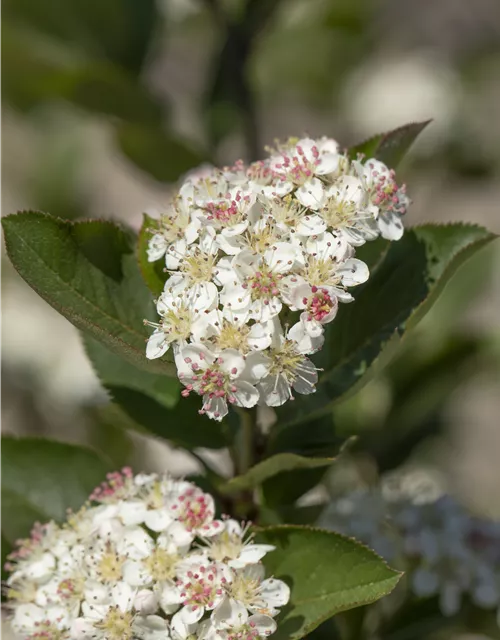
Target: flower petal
353 272
275 592
232 362
307 378
156 247
157 345
246 394
191 614
274 391
229 613
390 225
311 194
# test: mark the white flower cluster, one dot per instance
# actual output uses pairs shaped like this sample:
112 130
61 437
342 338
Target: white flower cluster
258 259
445 551
145 559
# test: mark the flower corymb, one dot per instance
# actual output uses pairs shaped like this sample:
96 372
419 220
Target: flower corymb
145 559
260 256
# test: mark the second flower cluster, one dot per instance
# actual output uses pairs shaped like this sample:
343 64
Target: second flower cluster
259 258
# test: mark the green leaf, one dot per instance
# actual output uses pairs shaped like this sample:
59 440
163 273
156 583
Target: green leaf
114 371
182 425
157 153
152 272
405 280
271 467
47 477
390 147
87 272
18 515
327 573
316 438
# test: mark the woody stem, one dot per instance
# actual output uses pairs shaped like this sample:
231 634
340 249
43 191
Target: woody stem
246 439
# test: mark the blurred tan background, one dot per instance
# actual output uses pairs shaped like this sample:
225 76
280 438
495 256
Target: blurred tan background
222 79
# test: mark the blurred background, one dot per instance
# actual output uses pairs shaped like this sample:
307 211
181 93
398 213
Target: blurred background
106 103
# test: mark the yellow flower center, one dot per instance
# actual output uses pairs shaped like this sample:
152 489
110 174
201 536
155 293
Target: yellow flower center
338 213
226 547
110 566
246 590
161 564
263 239
320 272
285 360
117 625
172 227
176 323
232 337
199 266
287 211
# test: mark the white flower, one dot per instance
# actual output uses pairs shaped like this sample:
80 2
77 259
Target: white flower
180 317
326 266
112 619
248 589
194 282
156 563
292 217
235 547
231 331
263 232
389 199
257 287
218 378
288 369
30 619
232 621
347 212
229 214
248 246
176 231
320 304
194 510
200 587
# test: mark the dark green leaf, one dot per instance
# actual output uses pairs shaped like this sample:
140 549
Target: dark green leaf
161 155
327 573
181 425
404 283
152 272
315 438
114 371
87 272
18 515
47 477
389 147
